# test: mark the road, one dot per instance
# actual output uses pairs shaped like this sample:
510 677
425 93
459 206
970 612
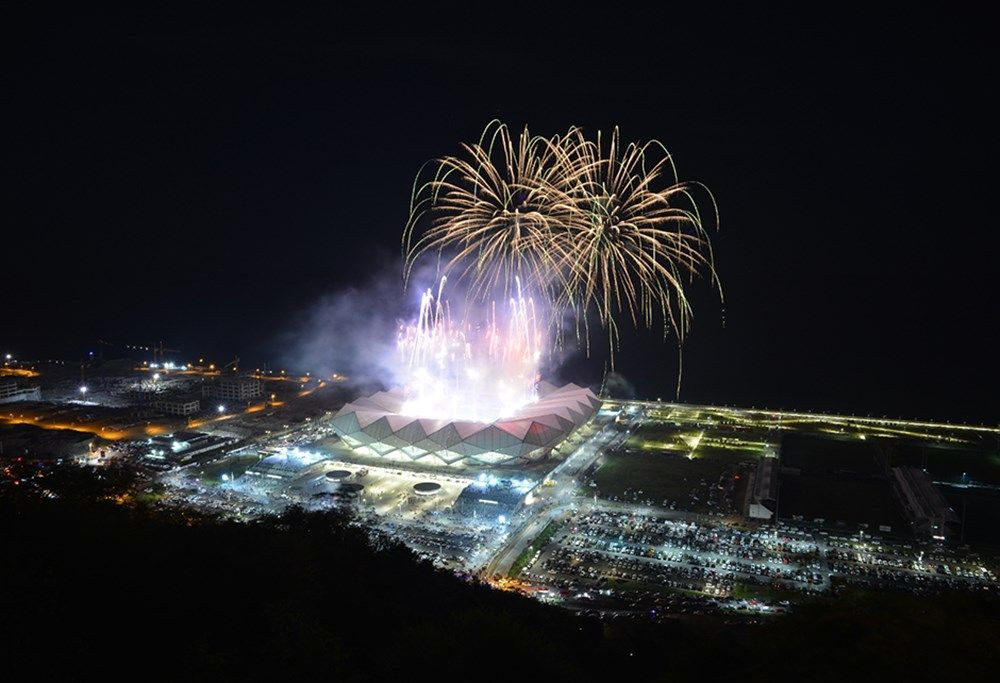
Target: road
555 501
503 559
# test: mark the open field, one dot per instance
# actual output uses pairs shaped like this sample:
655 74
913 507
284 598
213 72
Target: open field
662 479
852 501
706 443
981 510
816 455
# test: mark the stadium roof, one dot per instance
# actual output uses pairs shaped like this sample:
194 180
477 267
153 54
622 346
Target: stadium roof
374 425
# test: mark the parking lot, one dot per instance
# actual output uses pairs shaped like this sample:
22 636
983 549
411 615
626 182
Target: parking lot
644 556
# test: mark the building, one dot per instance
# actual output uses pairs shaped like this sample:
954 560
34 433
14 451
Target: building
180 448
373 426
491 498
286 464
925 508
241 388
764 493
12 391
178 405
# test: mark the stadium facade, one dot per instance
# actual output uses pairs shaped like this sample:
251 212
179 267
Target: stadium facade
373 426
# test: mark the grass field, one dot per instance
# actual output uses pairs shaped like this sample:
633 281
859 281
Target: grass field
769 594
629 585
821 455
660 477
529 552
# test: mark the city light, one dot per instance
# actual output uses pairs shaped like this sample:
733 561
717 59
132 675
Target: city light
83 389
156 375
221 408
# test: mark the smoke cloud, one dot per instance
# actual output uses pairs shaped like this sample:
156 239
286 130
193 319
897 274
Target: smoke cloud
354 331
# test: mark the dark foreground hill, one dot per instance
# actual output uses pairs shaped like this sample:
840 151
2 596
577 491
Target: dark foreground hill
125 592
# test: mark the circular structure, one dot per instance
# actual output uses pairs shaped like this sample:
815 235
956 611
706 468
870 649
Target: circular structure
351 488
426 488
337 475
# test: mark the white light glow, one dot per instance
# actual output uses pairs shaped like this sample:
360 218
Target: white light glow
478 370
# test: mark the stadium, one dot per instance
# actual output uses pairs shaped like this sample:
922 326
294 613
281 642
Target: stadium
374 426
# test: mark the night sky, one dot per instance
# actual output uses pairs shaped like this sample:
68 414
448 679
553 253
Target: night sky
206 180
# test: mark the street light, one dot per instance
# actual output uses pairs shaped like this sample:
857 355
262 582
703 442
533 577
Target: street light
221 408
83 389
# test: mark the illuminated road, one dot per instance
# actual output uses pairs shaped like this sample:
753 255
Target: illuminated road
784 419
554 501
503 559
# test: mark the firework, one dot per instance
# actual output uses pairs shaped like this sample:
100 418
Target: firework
497 211
474 367
595 226
637 235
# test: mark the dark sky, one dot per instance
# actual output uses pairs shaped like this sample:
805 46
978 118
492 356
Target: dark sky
203 180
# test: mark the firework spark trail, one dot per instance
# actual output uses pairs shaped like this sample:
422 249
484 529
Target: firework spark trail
636 245
497 210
